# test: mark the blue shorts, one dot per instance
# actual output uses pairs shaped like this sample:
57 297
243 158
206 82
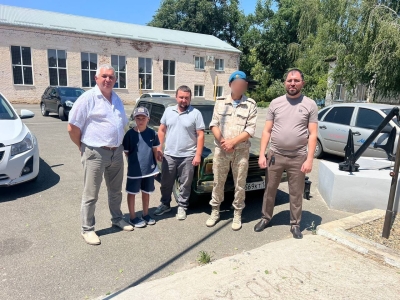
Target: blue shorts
145 184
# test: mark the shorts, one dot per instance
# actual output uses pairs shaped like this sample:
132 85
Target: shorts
145 184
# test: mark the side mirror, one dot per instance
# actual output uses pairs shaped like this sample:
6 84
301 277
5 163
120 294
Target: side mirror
26 114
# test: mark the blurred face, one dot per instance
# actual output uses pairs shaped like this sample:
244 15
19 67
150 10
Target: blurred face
183 99
141 121
238 86
294 84
105 80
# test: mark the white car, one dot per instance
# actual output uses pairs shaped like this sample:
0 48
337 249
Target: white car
19 151
152 95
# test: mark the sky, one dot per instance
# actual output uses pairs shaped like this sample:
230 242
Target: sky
128 11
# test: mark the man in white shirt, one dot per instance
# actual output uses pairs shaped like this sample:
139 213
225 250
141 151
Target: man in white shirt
96 126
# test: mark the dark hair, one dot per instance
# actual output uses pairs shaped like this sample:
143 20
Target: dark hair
295 70
183 88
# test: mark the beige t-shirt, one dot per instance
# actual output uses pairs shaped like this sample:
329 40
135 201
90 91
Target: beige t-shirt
291 118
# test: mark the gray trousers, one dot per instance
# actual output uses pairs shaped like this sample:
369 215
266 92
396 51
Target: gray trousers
179 168
99 162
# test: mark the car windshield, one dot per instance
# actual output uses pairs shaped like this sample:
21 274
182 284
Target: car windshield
387 111
6 112
68 92
207 112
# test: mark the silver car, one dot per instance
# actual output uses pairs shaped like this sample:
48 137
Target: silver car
334 122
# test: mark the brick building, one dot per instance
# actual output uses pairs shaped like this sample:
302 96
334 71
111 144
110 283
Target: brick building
40 48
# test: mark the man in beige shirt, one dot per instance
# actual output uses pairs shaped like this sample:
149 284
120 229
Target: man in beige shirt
291 125
233 124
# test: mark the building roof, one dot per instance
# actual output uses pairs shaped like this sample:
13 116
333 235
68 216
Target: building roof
26 17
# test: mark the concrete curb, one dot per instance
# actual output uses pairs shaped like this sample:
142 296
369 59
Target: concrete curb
337 231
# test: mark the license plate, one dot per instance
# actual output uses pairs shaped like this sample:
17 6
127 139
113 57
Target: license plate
252 186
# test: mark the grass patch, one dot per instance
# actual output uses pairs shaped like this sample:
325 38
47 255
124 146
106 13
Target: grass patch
204 258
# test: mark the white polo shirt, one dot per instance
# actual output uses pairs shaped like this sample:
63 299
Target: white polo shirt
101 122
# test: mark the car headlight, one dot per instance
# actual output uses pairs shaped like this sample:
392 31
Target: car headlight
25 145
69 103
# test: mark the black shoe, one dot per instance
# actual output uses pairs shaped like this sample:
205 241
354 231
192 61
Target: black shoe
260 226
295 230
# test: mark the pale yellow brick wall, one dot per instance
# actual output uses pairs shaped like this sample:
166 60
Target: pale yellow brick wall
41 40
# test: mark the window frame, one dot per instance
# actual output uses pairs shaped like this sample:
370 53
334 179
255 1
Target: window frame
117 84
223 64
89 69
58 68
216 91
22 66
145 73
336 107
203 90
199 58
168 75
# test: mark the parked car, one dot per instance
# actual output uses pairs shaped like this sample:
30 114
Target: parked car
153 95
334 122
59 100
19 151
203 176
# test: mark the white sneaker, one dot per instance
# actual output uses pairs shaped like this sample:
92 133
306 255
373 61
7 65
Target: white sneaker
123 225
181 215
91 238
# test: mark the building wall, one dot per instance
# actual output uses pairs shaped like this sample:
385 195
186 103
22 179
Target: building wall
41 40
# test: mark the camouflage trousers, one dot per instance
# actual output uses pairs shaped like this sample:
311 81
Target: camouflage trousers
222 162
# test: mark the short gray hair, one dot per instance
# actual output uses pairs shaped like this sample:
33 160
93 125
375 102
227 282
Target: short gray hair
105 66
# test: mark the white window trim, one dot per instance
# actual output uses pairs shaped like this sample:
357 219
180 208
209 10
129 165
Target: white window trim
22 65
173 90
117 71
66 66
223 65
203 89
152 75
89 70
204 62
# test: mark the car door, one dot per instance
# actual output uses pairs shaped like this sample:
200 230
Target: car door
52 100
334 128
45 96
367 120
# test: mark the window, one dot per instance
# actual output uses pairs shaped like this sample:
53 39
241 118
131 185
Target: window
340 115
156 114
89 67
368 119
219 91
322 113
199 90
361 92
57 60
340 92
119 64
145 73
168 75
21 61
219 64
199 63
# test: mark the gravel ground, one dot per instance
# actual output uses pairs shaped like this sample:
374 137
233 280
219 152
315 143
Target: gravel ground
373 231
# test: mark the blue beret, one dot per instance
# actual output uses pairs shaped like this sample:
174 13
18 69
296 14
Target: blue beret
237 75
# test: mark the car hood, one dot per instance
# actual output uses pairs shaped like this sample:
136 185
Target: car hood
15 131
72 99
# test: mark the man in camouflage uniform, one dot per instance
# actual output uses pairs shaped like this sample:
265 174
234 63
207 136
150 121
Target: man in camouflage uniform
233 123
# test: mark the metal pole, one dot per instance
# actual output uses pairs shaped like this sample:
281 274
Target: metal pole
389 211
140 86
215 88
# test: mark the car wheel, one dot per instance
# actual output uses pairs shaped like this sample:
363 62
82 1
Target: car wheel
194 198
61 114
43 110
318 150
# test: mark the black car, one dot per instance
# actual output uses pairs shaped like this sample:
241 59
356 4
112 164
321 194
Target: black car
59 100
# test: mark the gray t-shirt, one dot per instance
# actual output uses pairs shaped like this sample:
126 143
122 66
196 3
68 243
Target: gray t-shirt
181 136
291 118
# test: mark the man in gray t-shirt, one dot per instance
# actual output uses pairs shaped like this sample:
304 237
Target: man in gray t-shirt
182 130
291 127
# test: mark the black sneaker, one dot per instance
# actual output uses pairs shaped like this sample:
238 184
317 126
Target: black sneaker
149 220
162 209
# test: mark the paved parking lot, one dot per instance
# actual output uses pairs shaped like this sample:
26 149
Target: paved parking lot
42 255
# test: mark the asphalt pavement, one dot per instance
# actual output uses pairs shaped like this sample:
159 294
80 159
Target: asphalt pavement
42 255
